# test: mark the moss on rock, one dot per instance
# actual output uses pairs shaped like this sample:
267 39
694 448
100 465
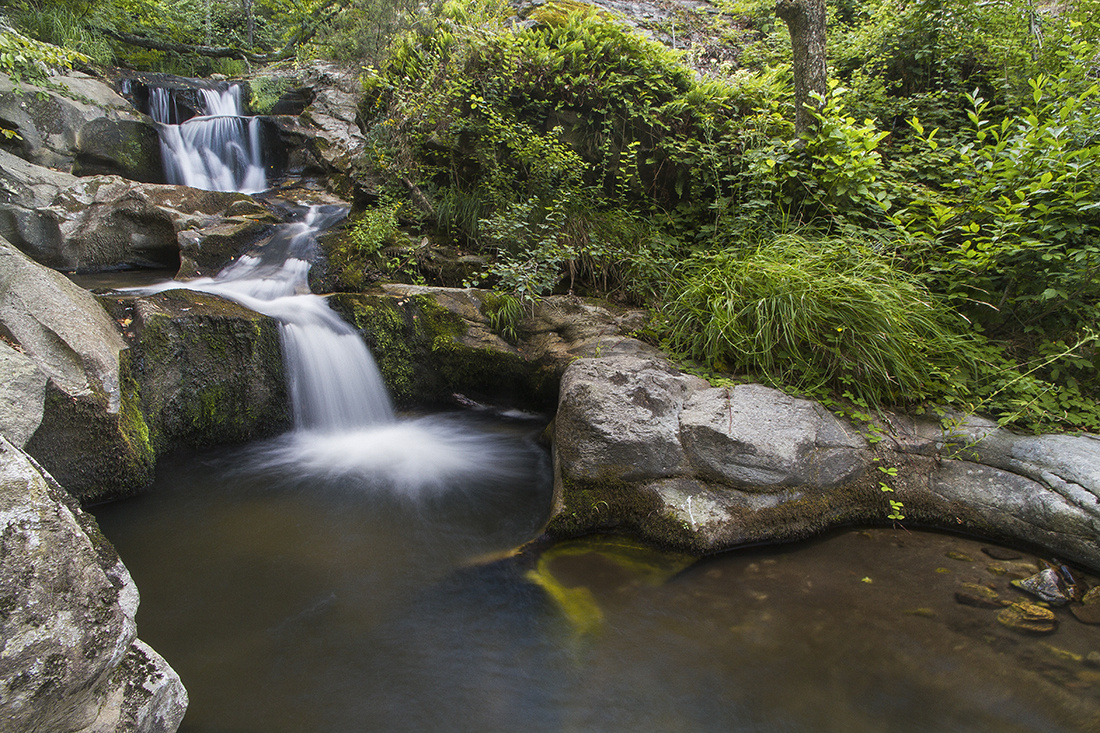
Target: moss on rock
420 349
210 371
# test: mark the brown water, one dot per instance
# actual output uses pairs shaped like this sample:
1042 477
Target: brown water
322 605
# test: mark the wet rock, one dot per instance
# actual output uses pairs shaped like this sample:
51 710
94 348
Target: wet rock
960 556
210 371
205 251
70 658
84 126
1028 618
1088 611
1092 659
978 596
119 147
1046 585
1087 614
107 222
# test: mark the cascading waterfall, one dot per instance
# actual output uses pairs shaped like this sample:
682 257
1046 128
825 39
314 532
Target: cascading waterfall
344 424
216 151
334 382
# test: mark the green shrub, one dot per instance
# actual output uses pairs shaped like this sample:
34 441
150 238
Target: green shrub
819 315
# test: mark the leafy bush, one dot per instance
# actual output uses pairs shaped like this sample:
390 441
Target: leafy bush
26 60
1016 237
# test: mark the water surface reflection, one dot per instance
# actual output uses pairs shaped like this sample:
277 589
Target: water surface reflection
301 602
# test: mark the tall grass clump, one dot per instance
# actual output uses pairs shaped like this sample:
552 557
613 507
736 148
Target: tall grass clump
819 315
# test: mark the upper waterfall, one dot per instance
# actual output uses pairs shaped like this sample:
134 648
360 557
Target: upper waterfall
219 150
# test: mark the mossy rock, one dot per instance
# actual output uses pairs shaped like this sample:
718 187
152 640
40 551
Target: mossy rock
210 370
96 453
425 356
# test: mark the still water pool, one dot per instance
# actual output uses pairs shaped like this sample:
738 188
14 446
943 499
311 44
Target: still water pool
324 601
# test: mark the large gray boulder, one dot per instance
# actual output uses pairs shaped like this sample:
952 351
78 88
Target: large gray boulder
643 447
92 434
69 657
82 126
107 222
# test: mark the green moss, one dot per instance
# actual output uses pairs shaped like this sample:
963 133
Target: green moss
132 425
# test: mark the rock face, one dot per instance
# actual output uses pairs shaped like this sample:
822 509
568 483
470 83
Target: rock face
87 129
70 660
324 137
643 447
431 342
22 395
92 435
106 222
210 372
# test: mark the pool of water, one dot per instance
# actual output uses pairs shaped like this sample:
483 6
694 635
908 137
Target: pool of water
304 601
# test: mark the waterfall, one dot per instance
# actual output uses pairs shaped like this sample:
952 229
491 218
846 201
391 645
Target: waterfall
335 386
217 151
344 424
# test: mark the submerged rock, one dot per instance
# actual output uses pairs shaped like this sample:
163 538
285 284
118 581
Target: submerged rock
979 596
1088 611
69 657
1028 618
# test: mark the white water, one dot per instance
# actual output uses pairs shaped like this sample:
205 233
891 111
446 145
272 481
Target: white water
333 380
217 151
344 424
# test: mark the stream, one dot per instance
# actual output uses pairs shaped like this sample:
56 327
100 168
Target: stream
360 573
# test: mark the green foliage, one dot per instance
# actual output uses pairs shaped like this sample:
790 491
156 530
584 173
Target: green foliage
818 315
25 60
1015 233
266 92
505 313
359 250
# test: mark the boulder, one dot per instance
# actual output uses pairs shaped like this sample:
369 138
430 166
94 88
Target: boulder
92 434
324 137
22 394
623 426
123 147
69 657
210 371
82 126
644 448
752 436
107 222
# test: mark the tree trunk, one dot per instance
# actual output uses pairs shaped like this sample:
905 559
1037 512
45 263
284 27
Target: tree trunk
806 21
250 22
